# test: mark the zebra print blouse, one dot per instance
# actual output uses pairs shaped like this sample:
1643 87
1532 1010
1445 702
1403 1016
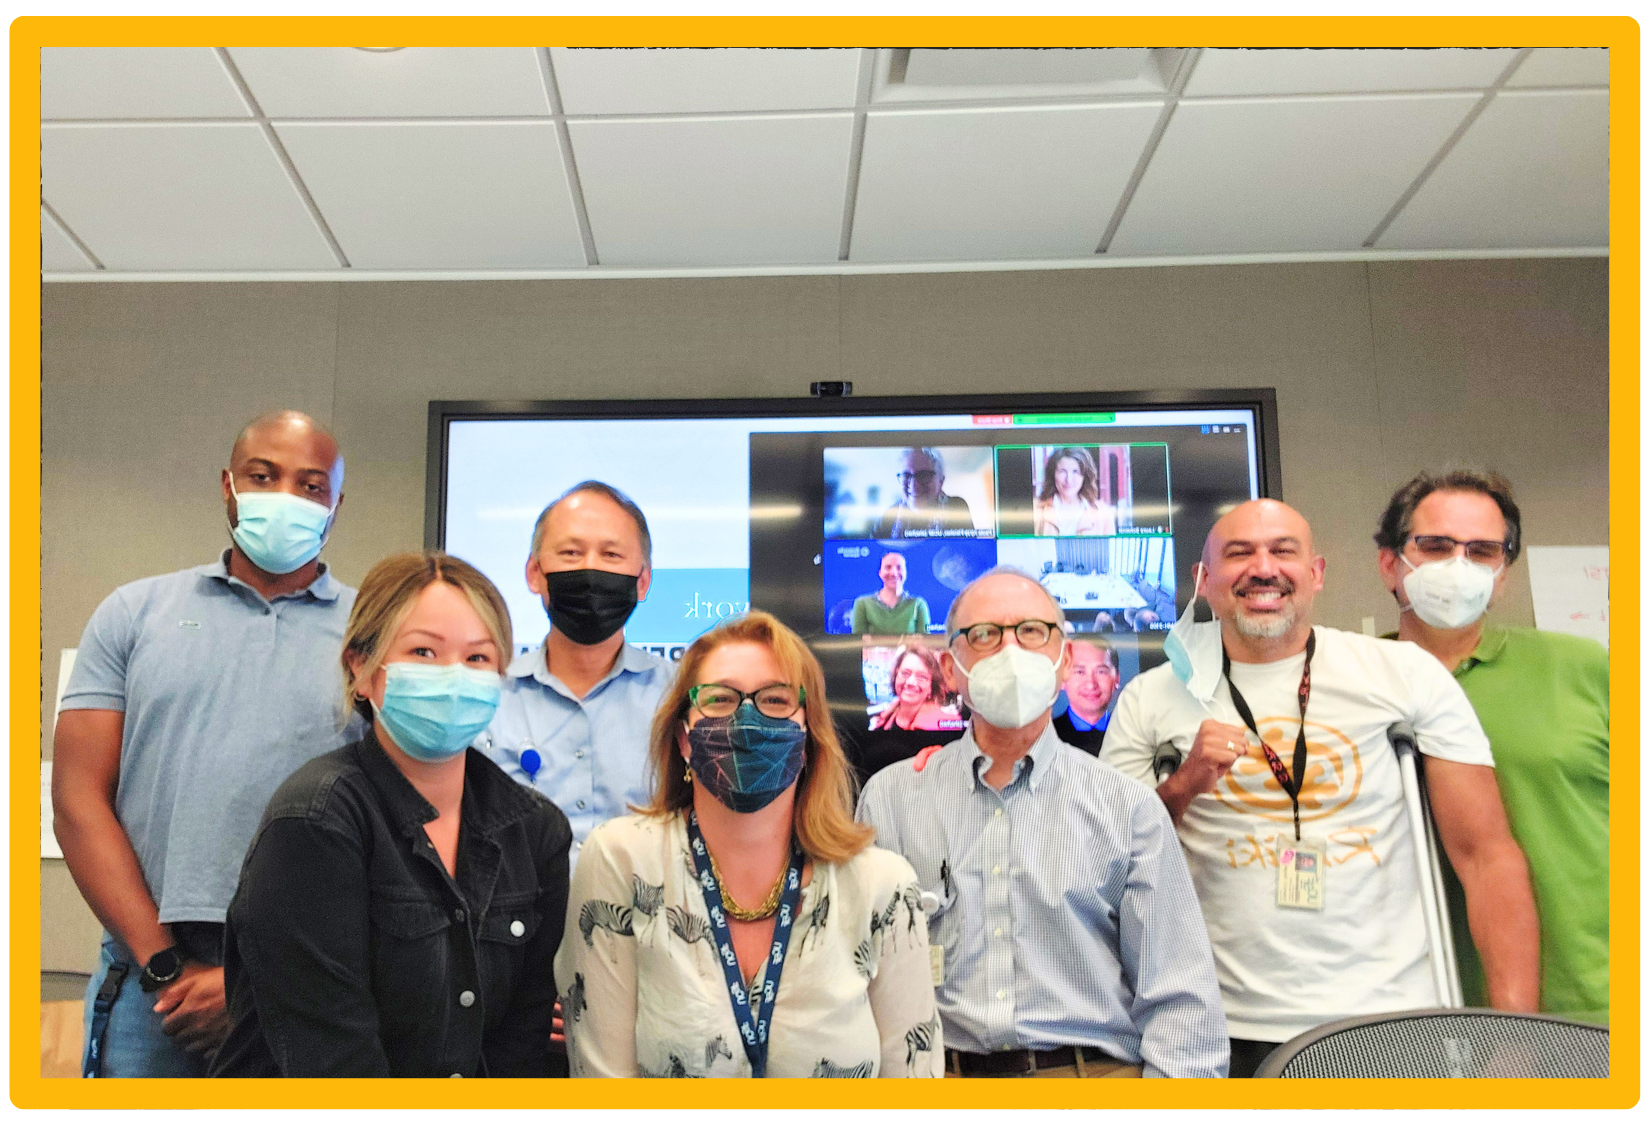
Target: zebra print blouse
644 996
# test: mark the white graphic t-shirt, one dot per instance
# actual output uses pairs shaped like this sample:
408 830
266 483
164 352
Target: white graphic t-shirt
1285 970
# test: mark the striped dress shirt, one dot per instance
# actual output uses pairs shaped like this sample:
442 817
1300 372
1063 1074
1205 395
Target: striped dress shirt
1066 913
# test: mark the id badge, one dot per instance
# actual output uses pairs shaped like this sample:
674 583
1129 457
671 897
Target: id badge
1300 875
936 964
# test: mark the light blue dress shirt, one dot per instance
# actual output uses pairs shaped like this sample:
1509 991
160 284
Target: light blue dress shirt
1066 912
593 751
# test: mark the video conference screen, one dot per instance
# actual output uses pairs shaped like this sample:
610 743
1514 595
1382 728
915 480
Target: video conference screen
858 529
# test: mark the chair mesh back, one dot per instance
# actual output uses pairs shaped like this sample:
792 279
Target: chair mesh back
1447 1044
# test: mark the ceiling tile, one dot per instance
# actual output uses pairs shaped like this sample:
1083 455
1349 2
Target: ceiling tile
57 251
410 82
716 80
696 191
1270 176
179 197
1564 66
136 82
1532 171
999 183
459 195
1224 72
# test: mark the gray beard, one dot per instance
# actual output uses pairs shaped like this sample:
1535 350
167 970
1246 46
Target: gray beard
1267 628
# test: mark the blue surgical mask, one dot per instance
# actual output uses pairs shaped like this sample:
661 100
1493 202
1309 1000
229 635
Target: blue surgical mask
278 531
1194 651
434 711
746 759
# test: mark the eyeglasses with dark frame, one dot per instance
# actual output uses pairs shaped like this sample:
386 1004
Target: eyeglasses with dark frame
921 476
987 636
718 701
1435 548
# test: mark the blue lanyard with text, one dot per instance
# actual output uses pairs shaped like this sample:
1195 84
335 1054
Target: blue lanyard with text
752 1031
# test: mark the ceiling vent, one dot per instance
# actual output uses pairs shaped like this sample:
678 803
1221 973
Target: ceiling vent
923 74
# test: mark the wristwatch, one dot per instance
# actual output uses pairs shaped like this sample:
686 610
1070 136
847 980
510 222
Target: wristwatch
163 968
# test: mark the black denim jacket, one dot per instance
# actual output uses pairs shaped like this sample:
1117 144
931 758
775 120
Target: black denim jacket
350 951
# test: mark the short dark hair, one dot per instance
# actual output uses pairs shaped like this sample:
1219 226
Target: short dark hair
1394 529
613 494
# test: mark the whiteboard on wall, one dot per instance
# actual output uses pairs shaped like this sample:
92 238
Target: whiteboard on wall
1571 590
48 841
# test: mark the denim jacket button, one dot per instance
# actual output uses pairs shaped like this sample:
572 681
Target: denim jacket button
466 998
517 928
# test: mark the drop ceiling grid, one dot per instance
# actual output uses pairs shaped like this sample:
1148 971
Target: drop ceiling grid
735 180
349 82
57 251
741 79
193 197
1267 175
453 194
126 82
717 191
1533 169
1005 183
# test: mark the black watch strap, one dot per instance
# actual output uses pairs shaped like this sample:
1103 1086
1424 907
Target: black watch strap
163 968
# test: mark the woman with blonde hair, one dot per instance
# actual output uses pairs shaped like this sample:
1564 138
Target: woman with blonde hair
402 901
1069 501
741 925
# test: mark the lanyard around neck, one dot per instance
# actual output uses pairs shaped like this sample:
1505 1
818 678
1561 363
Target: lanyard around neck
752 1031
1289 780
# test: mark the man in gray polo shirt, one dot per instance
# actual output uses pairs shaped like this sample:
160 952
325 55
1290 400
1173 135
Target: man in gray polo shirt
193 696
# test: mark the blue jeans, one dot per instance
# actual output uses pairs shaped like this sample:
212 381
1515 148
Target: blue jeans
134 1045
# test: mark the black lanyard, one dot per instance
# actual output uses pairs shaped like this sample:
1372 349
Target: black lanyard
754 1032
1290 780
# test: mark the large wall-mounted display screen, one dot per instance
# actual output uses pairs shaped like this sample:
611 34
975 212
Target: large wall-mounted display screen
856 521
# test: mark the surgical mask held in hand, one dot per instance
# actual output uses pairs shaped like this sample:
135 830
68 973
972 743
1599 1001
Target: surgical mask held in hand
434 711
746 759
1450 593
589 606
1011 687
278 531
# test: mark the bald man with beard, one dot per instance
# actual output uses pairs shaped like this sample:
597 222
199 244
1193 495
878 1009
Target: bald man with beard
194 695
1302 857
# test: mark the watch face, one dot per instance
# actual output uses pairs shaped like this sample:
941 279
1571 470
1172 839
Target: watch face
165 965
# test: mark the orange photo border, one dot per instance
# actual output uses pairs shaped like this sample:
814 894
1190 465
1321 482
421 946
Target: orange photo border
29 34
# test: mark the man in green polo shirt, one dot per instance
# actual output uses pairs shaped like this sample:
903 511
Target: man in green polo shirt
1446 542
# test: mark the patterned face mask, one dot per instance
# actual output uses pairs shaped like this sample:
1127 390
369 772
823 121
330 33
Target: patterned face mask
747 759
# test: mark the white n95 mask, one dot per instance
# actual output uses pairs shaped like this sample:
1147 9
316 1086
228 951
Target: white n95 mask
1011 687
1450 593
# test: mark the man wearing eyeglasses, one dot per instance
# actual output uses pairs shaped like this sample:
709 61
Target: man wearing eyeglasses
1289 798
1067 940
1447 542
924 509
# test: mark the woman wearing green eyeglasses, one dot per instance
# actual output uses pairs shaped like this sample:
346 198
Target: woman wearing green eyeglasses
741 925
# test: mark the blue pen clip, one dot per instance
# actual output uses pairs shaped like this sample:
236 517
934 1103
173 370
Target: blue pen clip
530 762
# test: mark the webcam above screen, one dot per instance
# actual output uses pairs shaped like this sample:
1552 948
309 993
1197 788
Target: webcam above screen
857 520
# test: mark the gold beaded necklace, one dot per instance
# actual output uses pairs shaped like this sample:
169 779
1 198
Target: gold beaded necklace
769 904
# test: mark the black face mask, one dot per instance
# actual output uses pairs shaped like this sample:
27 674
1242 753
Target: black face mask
589 606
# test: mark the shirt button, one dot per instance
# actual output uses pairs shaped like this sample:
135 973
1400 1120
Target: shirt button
998 933
1002 994
578 753
581 802
466 998
996 870
999 812
517 928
